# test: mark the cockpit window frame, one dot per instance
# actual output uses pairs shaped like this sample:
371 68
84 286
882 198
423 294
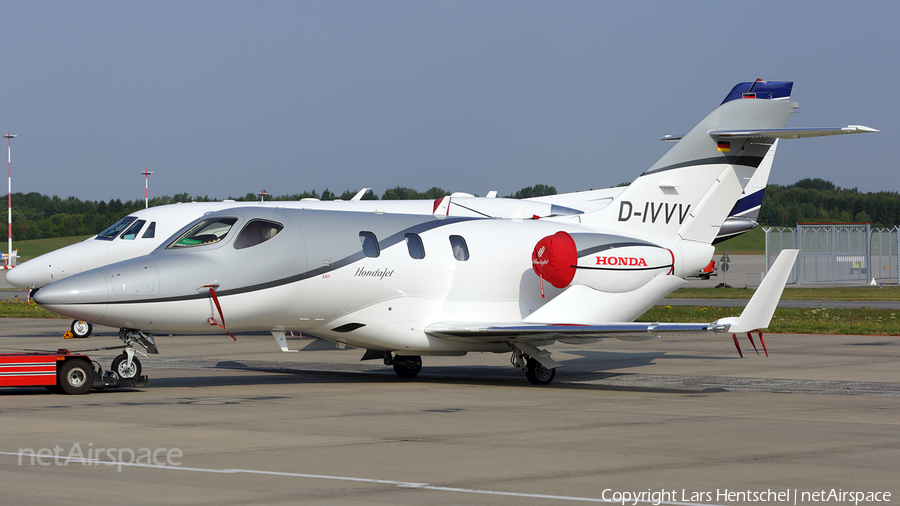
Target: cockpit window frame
150 233
246 230
113 231
201 225
132 232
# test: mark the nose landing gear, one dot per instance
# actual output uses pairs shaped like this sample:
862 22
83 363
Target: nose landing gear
127 365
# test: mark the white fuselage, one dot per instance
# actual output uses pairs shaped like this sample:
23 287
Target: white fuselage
311 277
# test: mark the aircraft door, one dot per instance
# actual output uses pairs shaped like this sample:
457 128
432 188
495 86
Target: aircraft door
324 247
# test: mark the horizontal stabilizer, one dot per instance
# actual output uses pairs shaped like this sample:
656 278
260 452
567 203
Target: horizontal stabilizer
791 133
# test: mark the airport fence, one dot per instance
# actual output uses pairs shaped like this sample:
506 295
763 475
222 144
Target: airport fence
845 253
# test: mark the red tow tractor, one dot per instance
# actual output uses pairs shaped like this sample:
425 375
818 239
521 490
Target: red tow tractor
60 371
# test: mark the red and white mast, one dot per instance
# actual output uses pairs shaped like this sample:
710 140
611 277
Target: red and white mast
9 138
146 174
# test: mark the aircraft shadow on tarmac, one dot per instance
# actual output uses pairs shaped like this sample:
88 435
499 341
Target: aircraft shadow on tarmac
588 366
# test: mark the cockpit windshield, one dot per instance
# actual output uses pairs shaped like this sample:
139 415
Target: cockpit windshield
208 231
110 233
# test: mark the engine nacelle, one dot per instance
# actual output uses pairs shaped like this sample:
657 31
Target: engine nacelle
604 262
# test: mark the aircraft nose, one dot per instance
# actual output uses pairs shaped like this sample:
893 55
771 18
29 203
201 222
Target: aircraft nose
47 268
19 276
82 296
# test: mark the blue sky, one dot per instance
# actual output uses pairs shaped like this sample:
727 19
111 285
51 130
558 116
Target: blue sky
225 98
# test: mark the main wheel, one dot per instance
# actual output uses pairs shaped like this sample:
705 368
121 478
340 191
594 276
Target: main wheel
120 366
75 377
537 374
407 367
81 328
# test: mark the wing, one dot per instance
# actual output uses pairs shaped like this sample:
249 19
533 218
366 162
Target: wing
757 315
498 333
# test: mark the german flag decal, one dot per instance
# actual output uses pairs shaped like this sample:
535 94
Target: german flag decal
724 146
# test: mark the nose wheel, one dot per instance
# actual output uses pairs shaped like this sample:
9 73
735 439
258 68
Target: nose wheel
126 368
81 328
126 365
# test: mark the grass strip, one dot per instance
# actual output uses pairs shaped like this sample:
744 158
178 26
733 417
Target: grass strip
792 320
22 310
819 293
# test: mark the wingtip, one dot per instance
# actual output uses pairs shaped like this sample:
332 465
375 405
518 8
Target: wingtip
861 129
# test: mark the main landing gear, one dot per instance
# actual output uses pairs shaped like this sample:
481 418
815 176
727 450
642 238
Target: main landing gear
127 365
404 366
538 371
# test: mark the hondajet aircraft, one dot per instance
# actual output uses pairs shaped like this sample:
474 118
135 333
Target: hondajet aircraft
141 232
401 286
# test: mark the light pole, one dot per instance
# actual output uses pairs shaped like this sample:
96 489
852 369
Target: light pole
146 174
9 138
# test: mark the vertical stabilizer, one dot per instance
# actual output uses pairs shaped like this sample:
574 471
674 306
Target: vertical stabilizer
689 192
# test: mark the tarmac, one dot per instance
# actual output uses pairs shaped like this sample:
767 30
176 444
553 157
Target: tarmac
681 421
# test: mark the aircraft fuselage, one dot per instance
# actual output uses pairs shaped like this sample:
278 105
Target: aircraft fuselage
317 275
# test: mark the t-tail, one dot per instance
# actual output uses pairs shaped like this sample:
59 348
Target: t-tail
689 192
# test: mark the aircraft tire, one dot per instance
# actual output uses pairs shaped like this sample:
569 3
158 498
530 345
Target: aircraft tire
81 329
407 367
537 374
120 366
75 377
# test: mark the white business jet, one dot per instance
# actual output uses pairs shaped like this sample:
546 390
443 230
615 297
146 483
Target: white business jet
402 286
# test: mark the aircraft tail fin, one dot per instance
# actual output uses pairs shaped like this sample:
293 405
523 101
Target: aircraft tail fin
690 190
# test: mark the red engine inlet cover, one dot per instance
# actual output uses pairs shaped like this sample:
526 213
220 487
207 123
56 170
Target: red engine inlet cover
554 259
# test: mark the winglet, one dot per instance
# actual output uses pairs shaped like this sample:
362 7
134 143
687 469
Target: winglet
359 195
759 311
442 207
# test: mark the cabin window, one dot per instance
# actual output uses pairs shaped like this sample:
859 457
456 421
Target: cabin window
257 232
110 233
415 247
369 244
150 233
208 231
133 230
460 250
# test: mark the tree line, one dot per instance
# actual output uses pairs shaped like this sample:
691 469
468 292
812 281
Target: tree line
810 200
815 200
37 216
